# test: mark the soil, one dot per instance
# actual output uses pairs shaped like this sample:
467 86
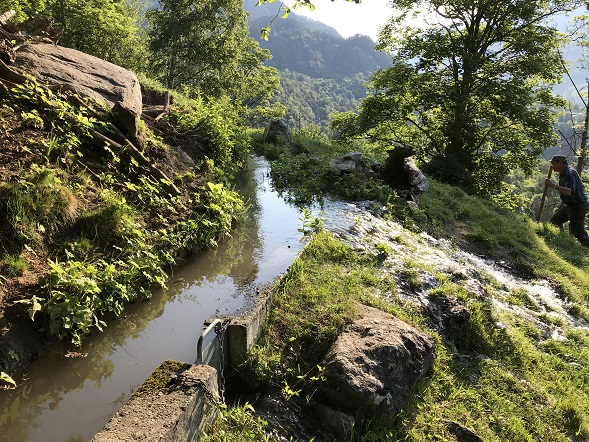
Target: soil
20 338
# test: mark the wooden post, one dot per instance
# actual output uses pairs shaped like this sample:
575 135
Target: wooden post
167 101
5 16
583 152
544 195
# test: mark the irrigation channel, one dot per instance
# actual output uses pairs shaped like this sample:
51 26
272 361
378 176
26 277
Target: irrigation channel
70 393
69 396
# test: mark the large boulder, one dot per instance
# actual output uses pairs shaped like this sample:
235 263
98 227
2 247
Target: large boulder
354 162
400 172
115 87
375 364
277 131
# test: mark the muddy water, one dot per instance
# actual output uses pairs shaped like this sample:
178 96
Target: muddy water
66 398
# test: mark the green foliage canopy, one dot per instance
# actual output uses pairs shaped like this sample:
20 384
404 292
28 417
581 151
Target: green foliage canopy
469 91
203 46
108 29
194 42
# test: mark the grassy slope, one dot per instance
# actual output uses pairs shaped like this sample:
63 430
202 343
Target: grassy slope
507 385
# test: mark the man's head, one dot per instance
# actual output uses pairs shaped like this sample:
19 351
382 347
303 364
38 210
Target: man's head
559 162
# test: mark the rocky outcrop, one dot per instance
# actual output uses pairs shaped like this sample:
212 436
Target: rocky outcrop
400 172
462 433
115 87
354 162
277 131
374 365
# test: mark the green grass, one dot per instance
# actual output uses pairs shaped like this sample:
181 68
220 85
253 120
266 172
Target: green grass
238 424
506 383
532 249
311 306
15 265
39 201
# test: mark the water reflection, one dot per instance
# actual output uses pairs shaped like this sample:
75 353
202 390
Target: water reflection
71 398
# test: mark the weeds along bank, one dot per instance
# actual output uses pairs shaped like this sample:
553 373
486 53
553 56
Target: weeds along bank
86 229
497 372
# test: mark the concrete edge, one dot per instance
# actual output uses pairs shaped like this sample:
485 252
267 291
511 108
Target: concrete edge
244 331
178 400
176 403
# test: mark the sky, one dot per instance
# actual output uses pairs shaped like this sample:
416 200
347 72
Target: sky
349 18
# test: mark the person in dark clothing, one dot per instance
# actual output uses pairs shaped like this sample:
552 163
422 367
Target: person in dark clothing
574 205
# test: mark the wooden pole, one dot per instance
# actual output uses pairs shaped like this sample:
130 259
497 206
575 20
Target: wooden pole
583 152
5 16
544 195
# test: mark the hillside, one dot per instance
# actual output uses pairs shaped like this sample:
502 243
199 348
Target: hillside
297 47
310 100
321 72
88 225
504 298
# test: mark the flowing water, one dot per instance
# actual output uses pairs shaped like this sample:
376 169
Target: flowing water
70 393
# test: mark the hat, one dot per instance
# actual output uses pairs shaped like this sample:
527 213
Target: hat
559 157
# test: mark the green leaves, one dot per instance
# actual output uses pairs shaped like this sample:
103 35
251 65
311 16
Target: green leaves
264 32
35 305
6 378
470 97
108 29
79 293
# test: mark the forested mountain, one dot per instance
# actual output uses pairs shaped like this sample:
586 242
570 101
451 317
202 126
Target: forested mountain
296 47
311 100
270 11
321 72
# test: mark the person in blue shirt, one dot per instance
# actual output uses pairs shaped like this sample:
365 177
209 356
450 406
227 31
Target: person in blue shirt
574 205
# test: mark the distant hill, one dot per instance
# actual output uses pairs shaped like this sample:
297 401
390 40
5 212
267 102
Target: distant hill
296 47
269 15
311 100
321 72
310 47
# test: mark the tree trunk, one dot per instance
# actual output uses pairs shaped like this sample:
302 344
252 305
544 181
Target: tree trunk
167 101
583 151
4 17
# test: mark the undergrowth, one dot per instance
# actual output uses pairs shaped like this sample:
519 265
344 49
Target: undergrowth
306 178
107 227
497 373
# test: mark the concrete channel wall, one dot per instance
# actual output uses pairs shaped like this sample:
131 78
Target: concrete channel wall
179 400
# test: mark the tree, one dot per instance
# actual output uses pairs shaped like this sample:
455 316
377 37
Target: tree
108 29
23 8
203 46
193 42
469 91
580 35
252 84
